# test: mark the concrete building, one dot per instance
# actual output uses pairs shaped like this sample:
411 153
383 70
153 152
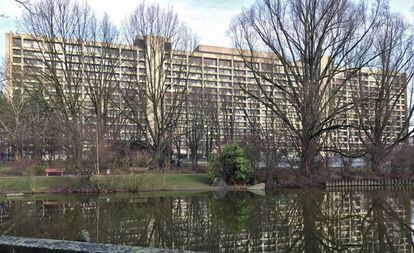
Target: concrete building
212 74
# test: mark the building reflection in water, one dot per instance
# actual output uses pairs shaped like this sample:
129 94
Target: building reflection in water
298 221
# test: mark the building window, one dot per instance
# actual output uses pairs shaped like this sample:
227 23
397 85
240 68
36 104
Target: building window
127 53
28 43
17 42
239 64
209 61
17 60
195 60
225 63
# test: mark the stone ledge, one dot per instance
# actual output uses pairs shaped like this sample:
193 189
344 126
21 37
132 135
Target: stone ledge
51 245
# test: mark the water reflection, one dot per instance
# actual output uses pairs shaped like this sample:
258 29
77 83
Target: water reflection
288 221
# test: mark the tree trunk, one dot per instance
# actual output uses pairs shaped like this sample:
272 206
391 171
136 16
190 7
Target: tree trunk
308 156
376 154
18 152
194 158
97 149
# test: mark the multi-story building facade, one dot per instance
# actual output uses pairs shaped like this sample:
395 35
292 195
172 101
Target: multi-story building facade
212 74
379 98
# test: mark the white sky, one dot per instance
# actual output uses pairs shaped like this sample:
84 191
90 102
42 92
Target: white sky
210 19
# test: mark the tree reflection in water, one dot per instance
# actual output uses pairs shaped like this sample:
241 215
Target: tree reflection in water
284 221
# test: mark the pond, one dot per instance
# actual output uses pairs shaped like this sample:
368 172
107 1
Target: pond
289 220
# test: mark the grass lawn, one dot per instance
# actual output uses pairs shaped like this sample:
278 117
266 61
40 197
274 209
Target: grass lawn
137 182
5 168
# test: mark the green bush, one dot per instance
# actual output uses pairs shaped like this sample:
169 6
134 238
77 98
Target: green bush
233 165
213 169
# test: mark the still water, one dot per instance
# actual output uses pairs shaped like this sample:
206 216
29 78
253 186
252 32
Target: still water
284 221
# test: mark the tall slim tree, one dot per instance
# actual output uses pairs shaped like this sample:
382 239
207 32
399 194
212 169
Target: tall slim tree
54 68
154 99
24 124
101 81
17 120
195 122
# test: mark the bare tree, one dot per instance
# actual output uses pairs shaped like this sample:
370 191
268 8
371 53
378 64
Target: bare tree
25 125
154 99
269 143
179 138
101 81
212 128
16 122
54 68
195 125
382 94
295 51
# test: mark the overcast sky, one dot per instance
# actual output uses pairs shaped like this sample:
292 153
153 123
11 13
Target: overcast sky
210 19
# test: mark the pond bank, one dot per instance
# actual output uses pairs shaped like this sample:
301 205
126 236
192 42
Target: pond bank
162 182
111 183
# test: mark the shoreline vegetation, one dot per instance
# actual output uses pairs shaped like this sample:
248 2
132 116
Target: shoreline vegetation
70 184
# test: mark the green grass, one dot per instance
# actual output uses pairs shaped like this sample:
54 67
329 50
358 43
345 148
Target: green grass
154 182
5 168
35 184
137 182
